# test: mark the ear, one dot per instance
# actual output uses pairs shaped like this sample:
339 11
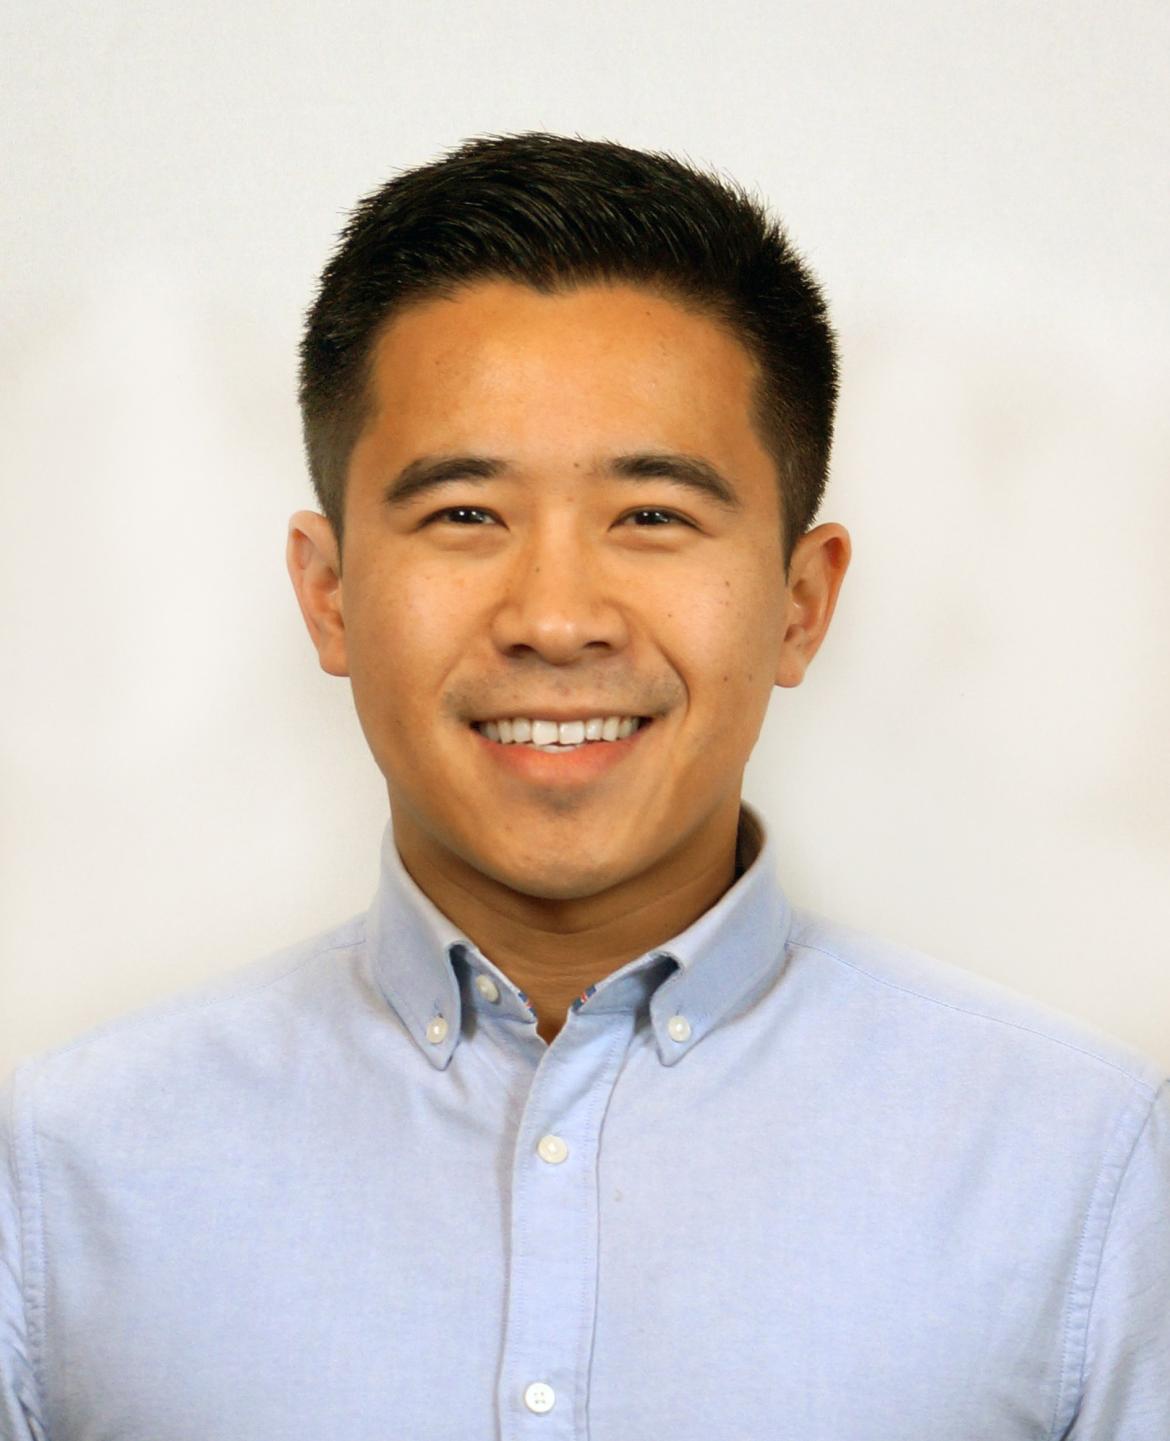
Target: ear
819 562
314 566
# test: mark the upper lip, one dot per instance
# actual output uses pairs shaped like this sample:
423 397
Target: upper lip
558 713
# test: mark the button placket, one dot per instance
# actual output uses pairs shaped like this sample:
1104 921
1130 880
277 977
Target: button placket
552 1280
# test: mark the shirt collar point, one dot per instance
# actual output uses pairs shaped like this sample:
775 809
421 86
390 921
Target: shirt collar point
669 1050
440 1056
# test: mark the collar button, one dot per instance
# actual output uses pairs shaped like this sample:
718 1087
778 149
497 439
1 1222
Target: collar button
487 988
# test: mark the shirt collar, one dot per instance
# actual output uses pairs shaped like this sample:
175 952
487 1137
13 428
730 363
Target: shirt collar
431 972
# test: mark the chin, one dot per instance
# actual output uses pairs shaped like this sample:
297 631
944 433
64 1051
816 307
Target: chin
550 879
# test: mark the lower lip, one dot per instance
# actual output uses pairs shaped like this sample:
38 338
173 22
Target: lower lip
593 758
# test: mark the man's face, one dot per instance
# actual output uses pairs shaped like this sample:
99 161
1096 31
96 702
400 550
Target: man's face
554 571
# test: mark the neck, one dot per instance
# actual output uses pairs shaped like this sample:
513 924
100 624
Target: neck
554 949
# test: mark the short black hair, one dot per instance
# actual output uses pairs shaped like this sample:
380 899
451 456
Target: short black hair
554 212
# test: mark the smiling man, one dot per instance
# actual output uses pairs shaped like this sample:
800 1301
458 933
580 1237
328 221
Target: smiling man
563 611
583 1129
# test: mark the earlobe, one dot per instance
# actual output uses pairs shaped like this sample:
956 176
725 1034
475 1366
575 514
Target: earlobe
819 562
314 569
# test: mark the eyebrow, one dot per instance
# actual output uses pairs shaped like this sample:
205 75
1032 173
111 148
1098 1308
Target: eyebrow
690 472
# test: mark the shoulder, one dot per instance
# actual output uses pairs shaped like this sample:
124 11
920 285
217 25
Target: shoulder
964 1020
245 1018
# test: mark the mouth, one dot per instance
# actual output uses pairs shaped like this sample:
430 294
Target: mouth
559 737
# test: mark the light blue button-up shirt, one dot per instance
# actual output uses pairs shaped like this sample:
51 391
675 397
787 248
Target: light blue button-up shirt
774 1179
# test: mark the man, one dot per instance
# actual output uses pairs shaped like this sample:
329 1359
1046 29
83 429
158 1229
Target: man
583 1130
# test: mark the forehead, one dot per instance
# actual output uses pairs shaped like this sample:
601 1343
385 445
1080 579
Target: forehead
614 355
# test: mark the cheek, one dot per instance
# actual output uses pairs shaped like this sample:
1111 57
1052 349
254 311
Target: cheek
404 634
723 638
726 624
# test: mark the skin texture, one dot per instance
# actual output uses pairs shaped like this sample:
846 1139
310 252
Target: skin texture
557 588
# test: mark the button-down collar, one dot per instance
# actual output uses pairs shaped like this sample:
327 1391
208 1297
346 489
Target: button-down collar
690 983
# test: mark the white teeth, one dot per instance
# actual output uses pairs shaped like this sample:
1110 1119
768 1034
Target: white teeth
556 736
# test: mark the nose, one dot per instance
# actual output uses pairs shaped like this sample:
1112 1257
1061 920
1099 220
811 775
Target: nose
557 603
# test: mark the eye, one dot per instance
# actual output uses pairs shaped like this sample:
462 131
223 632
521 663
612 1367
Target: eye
461 515
654 515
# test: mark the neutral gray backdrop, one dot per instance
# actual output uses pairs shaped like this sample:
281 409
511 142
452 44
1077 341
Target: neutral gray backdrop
977 763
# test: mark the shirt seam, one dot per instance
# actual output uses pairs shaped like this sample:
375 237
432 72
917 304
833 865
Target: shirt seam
1082 1290
30 1213
591 1257
1136 1080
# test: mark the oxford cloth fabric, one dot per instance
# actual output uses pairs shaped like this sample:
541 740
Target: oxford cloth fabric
774 1179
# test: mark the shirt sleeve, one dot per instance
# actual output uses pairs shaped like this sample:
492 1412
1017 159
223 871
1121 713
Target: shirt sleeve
20 1418
1126 1391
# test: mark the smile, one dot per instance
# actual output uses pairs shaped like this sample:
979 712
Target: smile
556 737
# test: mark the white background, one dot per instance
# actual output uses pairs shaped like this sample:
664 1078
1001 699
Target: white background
978 761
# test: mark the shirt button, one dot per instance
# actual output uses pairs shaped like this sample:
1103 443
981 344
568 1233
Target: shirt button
437 1030
679 1028
539 1397
553 1150
487 988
